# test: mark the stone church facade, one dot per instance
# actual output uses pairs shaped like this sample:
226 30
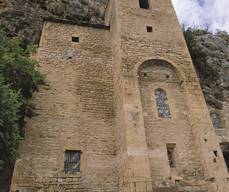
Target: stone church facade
122 110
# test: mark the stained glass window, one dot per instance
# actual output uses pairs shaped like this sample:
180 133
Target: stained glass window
162 104
72 161
216 120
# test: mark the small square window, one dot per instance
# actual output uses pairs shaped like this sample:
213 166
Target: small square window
75 39
149 29
72 161
144 4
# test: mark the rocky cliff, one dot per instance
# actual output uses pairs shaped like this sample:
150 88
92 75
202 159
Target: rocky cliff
210 56
23 18
210 52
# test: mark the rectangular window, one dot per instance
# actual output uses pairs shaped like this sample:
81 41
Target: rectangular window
75 39
171 154
144 4
149 29
72 161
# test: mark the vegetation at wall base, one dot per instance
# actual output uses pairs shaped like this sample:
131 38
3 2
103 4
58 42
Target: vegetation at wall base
18 80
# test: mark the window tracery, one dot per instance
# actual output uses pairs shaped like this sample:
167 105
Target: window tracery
162 104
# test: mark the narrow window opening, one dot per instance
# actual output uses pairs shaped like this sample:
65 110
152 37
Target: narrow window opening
149 29
162 104
144 4
75 39
171 154
145 74
72 161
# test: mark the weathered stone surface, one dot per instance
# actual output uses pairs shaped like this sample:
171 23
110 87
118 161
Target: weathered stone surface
96 103
101 100
212 65
24 18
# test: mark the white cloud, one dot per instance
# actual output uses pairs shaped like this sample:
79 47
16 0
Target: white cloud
211 14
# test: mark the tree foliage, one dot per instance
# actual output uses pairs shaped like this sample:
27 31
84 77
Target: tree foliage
18 80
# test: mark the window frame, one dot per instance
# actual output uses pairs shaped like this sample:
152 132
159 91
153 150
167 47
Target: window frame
68 165
162 105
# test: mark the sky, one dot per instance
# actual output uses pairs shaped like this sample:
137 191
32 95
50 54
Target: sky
208 14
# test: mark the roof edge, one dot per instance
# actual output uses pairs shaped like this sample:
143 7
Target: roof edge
84 24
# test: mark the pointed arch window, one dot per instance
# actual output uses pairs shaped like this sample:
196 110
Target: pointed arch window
162 104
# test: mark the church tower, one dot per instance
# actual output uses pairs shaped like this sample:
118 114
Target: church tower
123 110
165 133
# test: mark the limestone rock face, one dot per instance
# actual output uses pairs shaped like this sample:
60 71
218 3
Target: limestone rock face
211 59
210 54
23 18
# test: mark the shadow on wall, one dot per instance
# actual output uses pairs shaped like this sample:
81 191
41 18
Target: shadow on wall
225 150
5 179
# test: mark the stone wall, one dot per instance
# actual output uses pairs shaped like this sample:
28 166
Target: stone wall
192 127
98 102
75 111
174 129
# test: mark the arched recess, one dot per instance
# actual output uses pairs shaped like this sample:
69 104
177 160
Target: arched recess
142 62
173 128
159 63
156 75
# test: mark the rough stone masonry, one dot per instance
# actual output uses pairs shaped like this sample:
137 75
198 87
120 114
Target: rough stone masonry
123 110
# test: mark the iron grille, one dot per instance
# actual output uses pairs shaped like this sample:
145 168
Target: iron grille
72 161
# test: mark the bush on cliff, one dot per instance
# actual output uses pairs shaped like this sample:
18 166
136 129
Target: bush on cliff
18 80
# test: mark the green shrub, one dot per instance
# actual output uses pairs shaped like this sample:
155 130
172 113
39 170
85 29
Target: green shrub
9 131
18 80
